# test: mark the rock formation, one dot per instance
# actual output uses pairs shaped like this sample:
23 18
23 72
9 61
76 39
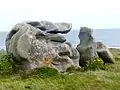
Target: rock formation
87 46
89 49
38 44
104 53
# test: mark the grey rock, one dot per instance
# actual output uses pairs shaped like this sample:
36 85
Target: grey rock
74 55
43 25
32 48
52 37
87 46
50 27
104 53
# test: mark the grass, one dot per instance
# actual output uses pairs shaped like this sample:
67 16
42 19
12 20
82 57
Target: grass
49 79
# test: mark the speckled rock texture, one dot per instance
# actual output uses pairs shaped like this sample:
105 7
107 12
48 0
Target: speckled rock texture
38 44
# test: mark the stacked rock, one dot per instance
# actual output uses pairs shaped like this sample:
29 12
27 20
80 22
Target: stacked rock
38 44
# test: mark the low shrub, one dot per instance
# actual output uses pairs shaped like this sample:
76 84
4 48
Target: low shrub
96 64
117 58
5 63
46 72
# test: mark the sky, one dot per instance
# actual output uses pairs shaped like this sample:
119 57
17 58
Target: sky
96 14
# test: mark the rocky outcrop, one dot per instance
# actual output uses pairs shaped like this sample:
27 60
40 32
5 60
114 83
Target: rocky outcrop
87 46
104 53
38 44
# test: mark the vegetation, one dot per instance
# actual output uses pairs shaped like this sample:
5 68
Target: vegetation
97 64
97 77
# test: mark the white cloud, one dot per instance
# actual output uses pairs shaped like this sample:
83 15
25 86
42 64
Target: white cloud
91 13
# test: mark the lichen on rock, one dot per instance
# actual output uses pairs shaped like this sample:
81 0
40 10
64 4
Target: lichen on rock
38 44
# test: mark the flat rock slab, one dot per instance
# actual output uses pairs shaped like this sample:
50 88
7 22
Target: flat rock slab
50 27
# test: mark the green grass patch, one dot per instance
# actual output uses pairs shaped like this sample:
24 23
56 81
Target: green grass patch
50 79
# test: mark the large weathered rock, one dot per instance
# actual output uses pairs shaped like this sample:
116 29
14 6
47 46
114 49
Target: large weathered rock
33 47
104 53
87 46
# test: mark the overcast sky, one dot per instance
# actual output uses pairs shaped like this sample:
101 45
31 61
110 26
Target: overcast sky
91 13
